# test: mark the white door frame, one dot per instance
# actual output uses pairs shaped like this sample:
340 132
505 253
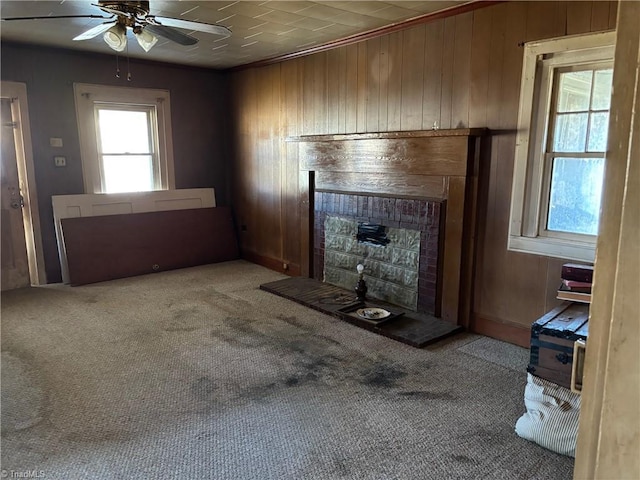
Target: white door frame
17 93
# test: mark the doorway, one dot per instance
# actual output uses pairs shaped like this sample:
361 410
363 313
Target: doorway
21 255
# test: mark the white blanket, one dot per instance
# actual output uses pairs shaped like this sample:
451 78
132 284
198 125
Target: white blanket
551 419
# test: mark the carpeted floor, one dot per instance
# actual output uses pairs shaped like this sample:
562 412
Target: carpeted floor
197 373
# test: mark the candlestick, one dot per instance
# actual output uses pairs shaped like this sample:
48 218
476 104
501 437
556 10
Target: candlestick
361 286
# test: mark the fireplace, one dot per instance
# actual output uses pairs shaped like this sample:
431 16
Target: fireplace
403 269
417 184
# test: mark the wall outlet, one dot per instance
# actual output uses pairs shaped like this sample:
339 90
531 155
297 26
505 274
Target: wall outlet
60 161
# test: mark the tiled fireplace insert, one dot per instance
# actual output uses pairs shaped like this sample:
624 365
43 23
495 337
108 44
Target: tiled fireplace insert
404 271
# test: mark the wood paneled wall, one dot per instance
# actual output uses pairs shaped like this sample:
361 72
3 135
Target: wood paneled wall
458 72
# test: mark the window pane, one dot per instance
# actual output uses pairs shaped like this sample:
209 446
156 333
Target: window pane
571 132
128 173
574 90
123 131
602 90
598 132
576 189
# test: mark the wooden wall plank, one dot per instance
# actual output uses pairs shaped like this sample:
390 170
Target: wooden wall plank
395 81
268 220
479 73
385 72
461 71
487 281
545 20
315 93
336 90
600 16
289 94
560 19
278 175
578 17
262 169
412 78
373 72
613 15
554 267
351 103
363 78
447 72
247 167
432 87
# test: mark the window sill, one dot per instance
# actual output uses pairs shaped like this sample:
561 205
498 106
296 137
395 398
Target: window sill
553 247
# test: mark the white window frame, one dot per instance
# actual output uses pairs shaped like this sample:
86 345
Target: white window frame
88 96
529 196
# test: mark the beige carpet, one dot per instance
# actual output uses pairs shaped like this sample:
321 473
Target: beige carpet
197 373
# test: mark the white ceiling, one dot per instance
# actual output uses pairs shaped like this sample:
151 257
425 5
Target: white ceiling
261 29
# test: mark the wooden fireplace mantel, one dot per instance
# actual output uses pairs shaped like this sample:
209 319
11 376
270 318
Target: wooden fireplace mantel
458 132
434 164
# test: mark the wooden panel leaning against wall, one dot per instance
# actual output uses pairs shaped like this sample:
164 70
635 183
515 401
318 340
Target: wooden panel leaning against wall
459 71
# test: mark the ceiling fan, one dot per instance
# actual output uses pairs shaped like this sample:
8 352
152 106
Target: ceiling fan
146 28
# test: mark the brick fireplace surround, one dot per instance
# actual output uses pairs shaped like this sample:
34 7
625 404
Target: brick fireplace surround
397 179
411 214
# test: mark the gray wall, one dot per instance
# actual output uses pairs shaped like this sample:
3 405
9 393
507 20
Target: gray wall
198 112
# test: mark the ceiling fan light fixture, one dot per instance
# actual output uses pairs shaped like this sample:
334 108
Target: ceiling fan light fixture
116 37
145 39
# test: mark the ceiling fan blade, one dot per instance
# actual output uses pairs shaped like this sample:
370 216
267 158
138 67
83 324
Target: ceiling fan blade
95 31
49 17
190 25
171 34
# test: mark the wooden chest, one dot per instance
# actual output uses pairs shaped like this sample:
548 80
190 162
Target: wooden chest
552 338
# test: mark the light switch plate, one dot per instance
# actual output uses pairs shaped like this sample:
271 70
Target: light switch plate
60 161
55 142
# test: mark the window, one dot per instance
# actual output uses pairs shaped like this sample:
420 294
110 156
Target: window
125 139
561 145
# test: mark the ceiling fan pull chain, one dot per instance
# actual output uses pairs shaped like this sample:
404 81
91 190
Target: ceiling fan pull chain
117 67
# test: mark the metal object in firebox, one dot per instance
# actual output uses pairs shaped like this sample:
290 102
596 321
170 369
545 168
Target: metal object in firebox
372 234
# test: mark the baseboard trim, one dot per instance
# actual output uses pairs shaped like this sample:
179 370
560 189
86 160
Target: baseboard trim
505 331
275 264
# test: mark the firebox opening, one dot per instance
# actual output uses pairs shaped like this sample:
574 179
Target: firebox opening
404 272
